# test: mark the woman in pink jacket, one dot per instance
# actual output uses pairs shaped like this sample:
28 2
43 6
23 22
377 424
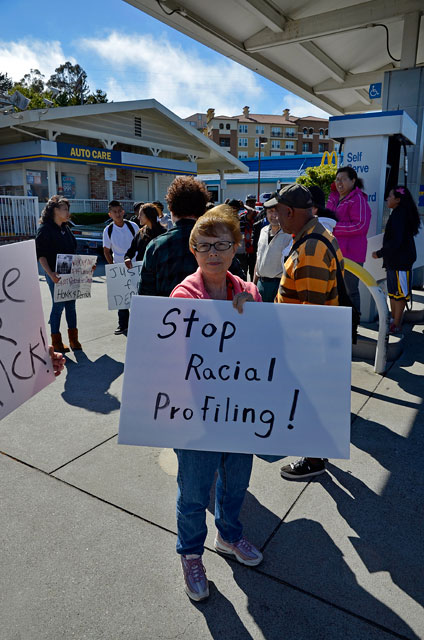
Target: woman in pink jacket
350 204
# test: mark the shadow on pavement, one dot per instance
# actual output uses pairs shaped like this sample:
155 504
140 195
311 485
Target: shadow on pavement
87 383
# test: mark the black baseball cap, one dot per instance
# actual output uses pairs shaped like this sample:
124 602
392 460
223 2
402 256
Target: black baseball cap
293 195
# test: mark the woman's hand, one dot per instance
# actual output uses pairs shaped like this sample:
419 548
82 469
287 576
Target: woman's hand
128 263
55 278
240 298
374 254
58 361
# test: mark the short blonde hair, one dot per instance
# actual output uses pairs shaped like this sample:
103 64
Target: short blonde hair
215 221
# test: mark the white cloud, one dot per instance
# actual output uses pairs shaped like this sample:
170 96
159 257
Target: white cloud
141 66
17 58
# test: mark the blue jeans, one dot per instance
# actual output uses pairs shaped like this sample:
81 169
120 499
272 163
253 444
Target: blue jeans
196 473
57 308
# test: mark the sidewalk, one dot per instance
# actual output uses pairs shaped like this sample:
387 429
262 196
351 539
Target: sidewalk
88 527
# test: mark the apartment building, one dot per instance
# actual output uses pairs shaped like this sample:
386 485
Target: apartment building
279 135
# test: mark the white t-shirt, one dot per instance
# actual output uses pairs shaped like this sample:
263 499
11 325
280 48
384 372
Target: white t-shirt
120 240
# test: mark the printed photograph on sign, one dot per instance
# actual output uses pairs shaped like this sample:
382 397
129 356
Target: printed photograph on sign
200 376
25 364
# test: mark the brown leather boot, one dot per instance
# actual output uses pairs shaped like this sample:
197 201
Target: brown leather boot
73 340
58 344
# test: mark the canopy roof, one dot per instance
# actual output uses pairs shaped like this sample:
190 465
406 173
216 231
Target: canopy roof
326 51
145 124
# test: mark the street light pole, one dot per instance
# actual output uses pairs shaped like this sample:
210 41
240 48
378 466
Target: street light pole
261 142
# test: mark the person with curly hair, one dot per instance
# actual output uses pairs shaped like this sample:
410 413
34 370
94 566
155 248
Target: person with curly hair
398 251
53 237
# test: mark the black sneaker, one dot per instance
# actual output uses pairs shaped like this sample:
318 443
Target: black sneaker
303 468
119 331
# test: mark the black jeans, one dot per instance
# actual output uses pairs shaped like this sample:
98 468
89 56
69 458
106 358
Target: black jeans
248 261
123 318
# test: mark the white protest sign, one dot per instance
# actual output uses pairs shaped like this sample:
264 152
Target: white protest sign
273 380
76 275
122 284
374 266
25 365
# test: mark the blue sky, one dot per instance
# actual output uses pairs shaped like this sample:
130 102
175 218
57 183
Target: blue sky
133 56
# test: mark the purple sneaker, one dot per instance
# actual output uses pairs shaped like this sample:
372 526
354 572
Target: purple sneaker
242 550
197 587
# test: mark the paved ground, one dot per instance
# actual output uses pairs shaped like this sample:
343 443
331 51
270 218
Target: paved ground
88 527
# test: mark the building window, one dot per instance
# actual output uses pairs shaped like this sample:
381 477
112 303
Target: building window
228 126
221 125
199 116
138 131
326 133
193 124
242 155
260 128
256 154
321 133
276 132
290 132
275 144
242 128
242 142
290 144
322 146
224 142
311 132
305 131
306 147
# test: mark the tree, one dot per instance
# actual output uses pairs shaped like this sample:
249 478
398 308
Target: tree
98 96
321 176
34 80
6 83
71 80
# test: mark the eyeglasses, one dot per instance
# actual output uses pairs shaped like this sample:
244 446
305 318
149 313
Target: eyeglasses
220 245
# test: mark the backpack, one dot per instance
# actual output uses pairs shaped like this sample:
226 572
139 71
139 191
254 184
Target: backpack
129 225
344 297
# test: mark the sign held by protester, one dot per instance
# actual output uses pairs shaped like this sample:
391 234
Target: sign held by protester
272 380
122 284
76 275
25 364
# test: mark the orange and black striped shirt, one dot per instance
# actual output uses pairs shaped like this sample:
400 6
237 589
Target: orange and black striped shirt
310 272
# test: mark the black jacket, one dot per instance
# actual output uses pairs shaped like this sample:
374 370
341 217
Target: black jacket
398 250
52 239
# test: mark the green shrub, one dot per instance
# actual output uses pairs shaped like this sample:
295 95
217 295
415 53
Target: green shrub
89 218
320 176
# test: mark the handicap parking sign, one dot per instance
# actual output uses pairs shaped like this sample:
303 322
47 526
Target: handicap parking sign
375 90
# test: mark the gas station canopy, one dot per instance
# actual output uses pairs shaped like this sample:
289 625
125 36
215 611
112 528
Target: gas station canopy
332 53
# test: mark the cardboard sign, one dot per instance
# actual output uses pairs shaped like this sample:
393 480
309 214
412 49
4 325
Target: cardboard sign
25 365
76 275
272 380
122 284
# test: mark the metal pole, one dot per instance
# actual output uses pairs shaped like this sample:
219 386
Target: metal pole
259 171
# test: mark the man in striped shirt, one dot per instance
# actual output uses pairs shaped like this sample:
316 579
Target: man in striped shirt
309 277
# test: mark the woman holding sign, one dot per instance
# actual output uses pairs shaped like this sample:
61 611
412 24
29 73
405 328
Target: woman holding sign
213 241
53 237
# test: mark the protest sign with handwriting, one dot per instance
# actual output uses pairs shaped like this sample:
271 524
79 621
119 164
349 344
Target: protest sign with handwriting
76 275
122 284
273 380
25 365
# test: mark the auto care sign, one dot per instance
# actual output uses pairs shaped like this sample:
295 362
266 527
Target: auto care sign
76 275
25 364
272 380
122 284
